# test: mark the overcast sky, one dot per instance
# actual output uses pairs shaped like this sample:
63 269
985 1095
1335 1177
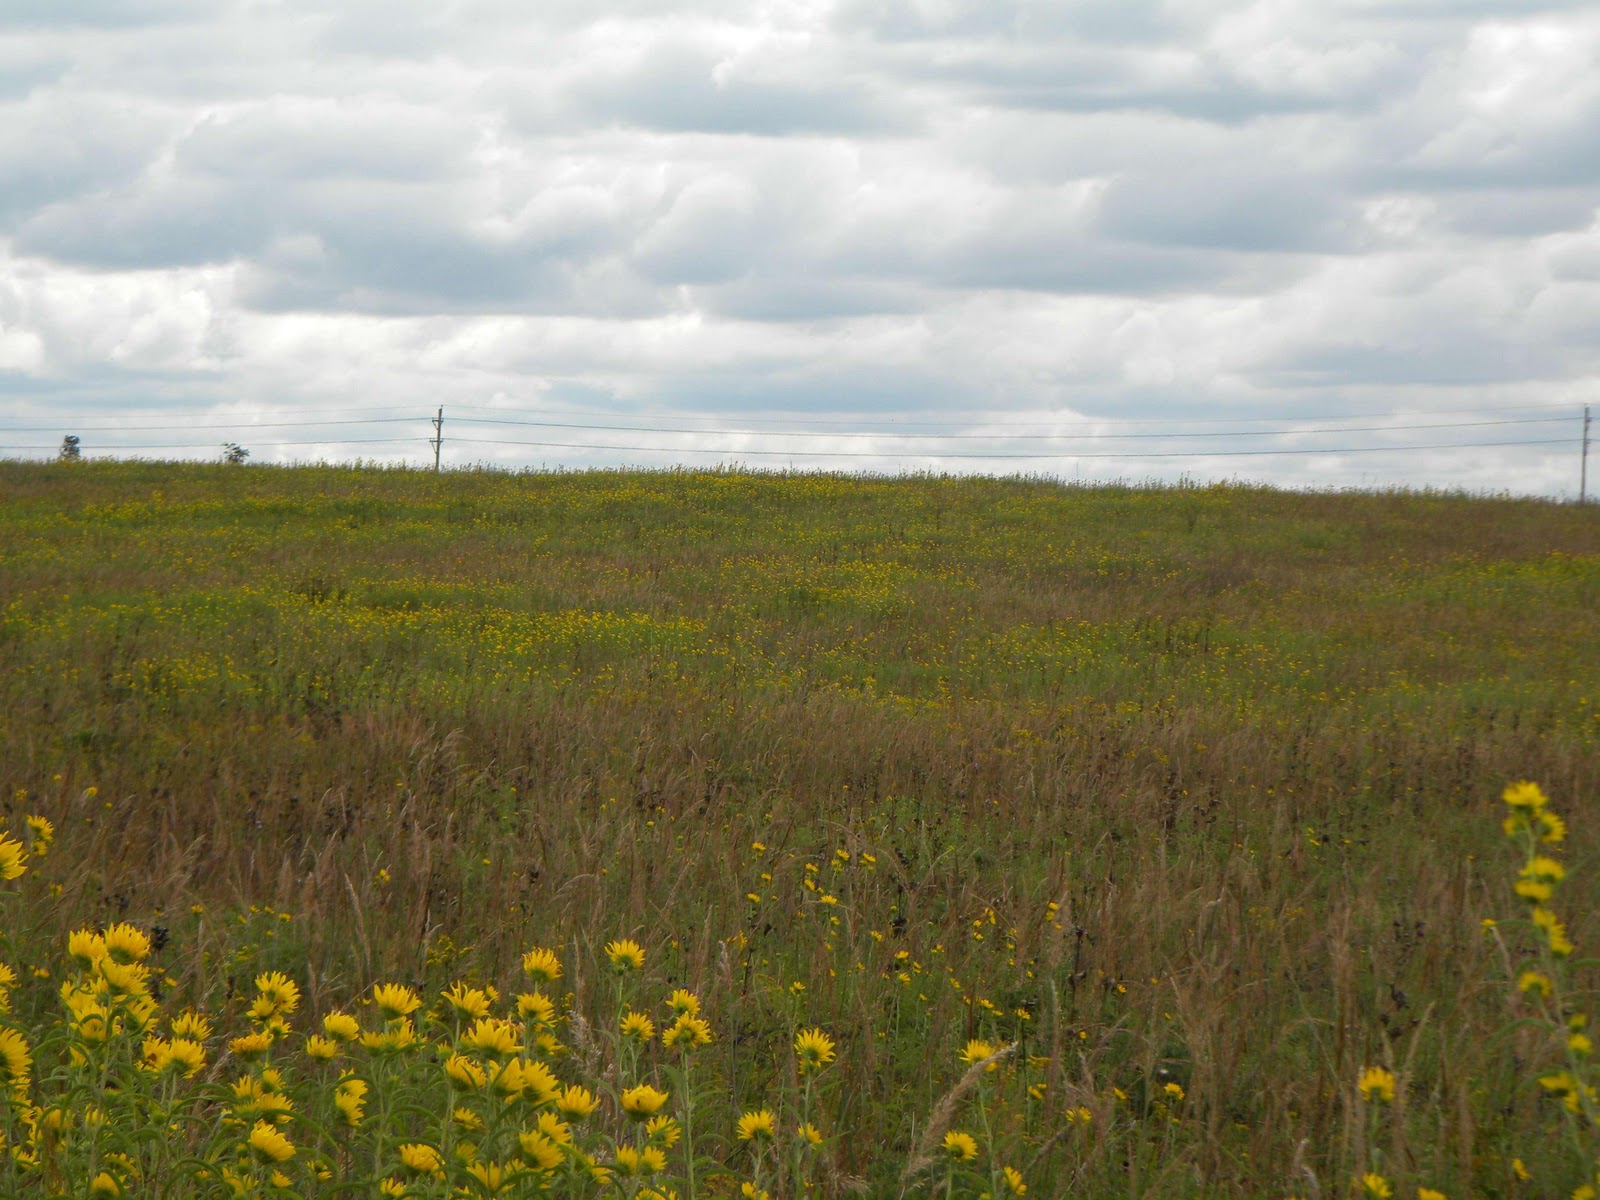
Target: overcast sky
1040 225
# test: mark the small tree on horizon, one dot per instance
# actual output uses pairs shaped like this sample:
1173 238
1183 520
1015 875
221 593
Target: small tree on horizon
234 453
71 449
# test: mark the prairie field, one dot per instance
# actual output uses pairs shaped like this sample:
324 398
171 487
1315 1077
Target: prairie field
1183 803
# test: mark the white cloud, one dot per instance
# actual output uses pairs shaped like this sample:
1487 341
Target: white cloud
976 211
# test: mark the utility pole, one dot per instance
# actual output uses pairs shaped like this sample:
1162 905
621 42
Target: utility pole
437 440
1583 470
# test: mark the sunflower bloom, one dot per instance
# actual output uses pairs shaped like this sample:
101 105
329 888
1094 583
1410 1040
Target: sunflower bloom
464 1074
642 1102
350 1098
759 1125
127 944
539 1151
625 955
421 1159
684 1003
1014 1184
341 1027
1376 1186
395 1000
268 1145
1525 795
467 1003
13 858
40 834
814 1049
493 1037
187 1054
662 1131
251 1046
637 1027
86 948
976 1051
280 992
686 1033
1376 1085
15 1062
536 1007
575 1103
542 966
191 1025
960 1147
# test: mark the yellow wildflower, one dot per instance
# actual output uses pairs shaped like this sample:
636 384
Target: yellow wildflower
575 1102
188 1054
542 966
268 1145
662 1131
126 943
539 1150
350 1098
758 1125
467 1003
251 1046
1376 1186
464 1074
960 1147
421 1159
642 1102
191 1025
15 1062
494 1037
13 858
395 1000
1525 795
341 1027
814 1049
684 1003
1013 1178
686 1033
625 955
536 1007
637 1027
976 1051
42 833
321 1049
400 1035
279 995
1376 1084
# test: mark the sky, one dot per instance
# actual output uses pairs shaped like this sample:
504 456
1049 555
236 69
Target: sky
1092 239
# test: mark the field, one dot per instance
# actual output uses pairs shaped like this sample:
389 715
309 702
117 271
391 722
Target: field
1190 795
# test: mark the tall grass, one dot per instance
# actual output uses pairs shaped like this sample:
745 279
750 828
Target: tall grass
1189 793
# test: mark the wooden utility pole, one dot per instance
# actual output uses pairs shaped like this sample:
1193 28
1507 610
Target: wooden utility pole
437 440
1583 469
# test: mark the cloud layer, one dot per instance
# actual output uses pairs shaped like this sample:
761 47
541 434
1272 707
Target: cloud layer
1001 218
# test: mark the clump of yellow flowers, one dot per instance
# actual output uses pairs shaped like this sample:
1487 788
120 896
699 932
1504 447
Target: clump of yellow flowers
1546 990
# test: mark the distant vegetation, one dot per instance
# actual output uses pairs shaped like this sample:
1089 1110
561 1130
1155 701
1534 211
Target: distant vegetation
1184 804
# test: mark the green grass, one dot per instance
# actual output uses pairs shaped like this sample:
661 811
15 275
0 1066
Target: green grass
1250 742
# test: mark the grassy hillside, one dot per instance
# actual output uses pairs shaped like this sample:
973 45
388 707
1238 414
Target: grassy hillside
1195 787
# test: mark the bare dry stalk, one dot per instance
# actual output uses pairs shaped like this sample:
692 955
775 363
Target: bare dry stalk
944 1112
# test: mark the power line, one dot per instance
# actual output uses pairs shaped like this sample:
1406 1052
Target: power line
1053 454
969 437
1169 419
995 437
127 428
1081 420
209 445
